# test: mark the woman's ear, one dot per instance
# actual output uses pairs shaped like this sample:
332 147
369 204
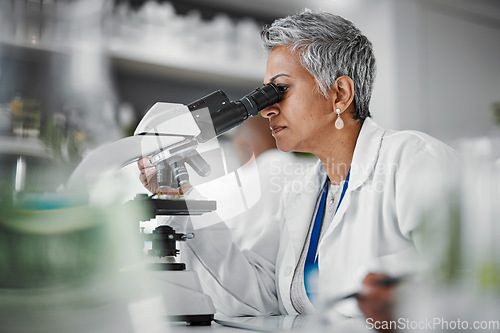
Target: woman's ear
344 87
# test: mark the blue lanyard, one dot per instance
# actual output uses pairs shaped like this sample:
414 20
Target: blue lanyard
311 265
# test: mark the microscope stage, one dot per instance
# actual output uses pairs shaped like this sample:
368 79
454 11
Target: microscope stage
172 206
183 206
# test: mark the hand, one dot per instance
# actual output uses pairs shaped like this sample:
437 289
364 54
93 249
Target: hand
148 175
377 300
148 179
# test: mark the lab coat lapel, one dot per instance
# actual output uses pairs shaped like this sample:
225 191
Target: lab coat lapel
300 208
366 153
363 163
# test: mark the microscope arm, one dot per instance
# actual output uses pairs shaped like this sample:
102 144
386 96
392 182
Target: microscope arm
109 158
167 128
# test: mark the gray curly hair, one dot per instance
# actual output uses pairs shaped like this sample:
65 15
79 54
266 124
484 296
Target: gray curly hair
329 47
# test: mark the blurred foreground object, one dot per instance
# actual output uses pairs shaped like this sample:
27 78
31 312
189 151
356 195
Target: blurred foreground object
377 301
462 285
63 268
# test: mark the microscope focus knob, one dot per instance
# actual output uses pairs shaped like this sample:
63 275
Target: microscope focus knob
187 236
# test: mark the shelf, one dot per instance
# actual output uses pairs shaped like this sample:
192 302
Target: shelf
10 145
26 51
153 64
188 68
261 10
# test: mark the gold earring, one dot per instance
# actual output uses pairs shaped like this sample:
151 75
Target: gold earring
339 123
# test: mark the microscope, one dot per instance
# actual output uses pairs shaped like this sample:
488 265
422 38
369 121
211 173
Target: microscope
169 134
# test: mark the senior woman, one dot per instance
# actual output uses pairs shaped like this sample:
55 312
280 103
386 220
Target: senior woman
354 212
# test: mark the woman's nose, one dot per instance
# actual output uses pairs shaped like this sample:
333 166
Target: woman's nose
270 111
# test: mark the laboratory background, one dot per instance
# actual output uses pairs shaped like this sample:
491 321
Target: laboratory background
79 75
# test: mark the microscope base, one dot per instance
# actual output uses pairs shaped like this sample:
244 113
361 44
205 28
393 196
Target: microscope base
183 297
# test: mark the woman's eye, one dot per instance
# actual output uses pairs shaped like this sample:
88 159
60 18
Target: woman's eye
282 87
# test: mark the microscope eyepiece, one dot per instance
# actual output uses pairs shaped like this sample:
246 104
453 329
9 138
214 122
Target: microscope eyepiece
261 98
215 114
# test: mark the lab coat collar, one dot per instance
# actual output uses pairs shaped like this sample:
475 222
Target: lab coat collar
365 156
366 153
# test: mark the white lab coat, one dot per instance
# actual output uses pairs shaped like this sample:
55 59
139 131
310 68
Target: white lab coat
373 229
275 169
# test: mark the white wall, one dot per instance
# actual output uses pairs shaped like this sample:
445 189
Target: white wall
464 63
448 67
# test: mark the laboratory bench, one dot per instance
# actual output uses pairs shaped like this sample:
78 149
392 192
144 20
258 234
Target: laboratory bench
215 328
290 323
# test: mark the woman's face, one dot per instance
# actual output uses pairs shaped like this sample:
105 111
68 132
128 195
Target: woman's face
304 117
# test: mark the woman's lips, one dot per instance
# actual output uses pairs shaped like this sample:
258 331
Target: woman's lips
277 129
